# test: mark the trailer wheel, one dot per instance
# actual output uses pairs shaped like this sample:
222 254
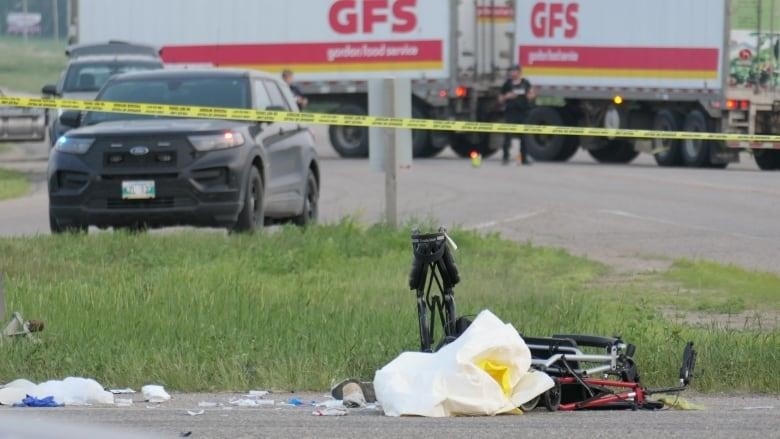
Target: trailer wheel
767 159
571 145
422 146
464 143
695 153
542 147
350 142
615 151
668 150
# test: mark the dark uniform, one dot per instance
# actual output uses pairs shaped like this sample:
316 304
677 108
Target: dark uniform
515 111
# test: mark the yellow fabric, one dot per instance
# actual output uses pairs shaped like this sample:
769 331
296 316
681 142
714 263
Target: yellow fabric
676 402
499 372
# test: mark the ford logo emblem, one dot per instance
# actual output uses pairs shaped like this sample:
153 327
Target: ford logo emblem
139 150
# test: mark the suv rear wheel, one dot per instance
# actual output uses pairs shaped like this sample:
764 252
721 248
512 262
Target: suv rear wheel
310 203
251 217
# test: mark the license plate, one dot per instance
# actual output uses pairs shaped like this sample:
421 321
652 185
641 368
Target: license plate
138 190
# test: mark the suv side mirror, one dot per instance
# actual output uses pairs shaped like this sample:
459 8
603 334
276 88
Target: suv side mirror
70 118
49 89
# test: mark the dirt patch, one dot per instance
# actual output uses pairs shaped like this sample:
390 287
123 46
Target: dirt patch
761 320
745 320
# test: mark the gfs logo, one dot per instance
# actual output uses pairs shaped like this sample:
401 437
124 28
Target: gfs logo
549 20
365 16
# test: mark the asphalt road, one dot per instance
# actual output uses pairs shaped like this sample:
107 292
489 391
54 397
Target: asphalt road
721 417
635 217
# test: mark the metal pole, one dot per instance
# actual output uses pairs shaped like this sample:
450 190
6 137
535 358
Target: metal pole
756 59
492 40
24 28
454 43
68 19
476 51
55 10
2 299
773 41
391 167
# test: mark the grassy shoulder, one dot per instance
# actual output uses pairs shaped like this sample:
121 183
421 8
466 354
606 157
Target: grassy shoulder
26 67
12 184
297 309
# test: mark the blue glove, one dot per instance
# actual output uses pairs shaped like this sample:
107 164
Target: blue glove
32 401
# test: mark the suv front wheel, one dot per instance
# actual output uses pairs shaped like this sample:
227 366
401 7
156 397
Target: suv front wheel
57 228
251 217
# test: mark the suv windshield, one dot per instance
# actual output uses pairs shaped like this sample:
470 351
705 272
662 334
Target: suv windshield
91 76
206 92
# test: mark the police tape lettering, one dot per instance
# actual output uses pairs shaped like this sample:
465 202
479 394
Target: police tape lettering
369 121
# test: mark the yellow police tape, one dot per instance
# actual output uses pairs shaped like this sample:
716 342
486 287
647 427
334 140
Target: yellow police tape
367 121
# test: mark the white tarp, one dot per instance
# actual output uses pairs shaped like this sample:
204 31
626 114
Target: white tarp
70 391
486 371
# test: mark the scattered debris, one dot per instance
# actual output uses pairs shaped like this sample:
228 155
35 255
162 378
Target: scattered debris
297 402
331 403
249 402
123 402
155 393
332 411
18 327
761 407
185 434
208 404
257 393
195 412
353 396
366 388
124 391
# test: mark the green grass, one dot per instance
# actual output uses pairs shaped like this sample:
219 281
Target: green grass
26 67
12 184
297 309
4 147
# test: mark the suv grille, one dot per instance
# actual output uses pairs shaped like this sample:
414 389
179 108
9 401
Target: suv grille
154 159
153 203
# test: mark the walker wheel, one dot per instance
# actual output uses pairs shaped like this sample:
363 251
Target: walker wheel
552 397
530 405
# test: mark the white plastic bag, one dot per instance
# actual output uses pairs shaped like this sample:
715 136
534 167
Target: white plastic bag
70 391
155 393
74 391
486 371
15 391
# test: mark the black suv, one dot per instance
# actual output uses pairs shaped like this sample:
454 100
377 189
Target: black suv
145 171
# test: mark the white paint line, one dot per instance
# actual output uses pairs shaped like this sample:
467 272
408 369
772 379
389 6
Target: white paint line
676 224
511 219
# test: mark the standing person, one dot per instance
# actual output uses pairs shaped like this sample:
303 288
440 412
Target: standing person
517 94
287 76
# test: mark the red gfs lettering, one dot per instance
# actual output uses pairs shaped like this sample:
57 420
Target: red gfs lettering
547 19
363 16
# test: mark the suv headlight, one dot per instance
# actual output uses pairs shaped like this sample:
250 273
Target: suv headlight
212 142
74 145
